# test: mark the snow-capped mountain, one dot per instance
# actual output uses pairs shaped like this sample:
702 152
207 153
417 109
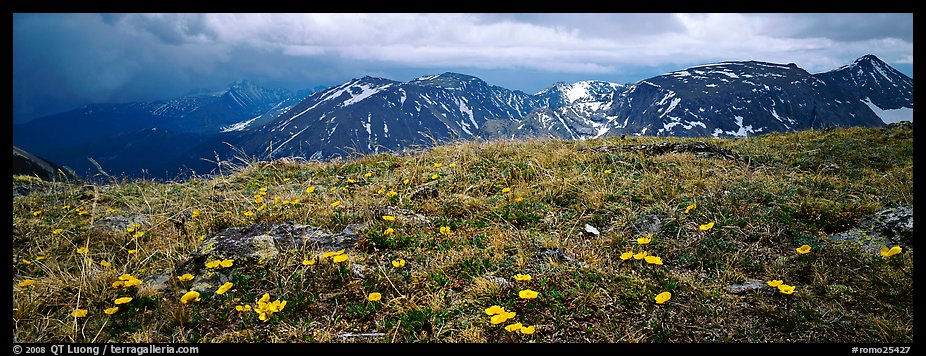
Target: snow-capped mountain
886 91
375 114
368 114
720 100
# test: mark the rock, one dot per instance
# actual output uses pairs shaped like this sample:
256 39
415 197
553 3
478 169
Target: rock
406 216
354 229
358 270
592 230
900 125
499 281
424 193
560 255
888 227
699 149
119 223
748 285
647 225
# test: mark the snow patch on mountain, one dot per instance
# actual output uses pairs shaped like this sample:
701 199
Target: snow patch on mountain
891 115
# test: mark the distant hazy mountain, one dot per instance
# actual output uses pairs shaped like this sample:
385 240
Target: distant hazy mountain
105 131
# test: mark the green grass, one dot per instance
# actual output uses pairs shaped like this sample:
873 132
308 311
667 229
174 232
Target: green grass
810 184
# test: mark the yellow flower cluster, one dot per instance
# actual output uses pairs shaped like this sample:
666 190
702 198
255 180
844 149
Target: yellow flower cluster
399 263
126 281
220 264
500 315
265 308
445 230
663 297
783 288
185 277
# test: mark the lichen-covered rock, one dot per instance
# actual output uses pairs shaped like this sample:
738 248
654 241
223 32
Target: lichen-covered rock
888 227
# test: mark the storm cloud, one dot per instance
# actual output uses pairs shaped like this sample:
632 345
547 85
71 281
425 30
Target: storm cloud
63 61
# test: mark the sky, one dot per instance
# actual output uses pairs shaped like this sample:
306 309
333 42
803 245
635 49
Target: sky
65 61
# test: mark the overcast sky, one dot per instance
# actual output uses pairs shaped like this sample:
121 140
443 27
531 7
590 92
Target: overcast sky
64 61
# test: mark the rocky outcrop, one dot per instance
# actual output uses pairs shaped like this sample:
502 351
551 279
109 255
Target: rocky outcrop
888 227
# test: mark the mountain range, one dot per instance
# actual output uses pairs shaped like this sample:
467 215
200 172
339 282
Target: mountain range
368 115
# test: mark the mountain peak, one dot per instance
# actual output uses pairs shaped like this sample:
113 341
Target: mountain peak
449 80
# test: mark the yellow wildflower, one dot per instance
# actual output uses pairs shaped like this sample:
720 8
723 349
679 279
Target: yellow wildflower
37 213
83 250
527 330
332 253
494 310
406 181
213 264
506 190
335 204
690 208
26 283
224 288
138 234
196 213
262 207
105 263
627 255
79 313
391 193
26 262
310 189
388 217
706 227
513 327
39 258
398 263
122 300
226 263
243 308
644 240
663 297
453 165
118 284
374 297
388 231
607 171
381 191
57 231
185 277
522 277
775 283
434 176
518 199
445 230
131 252
786 289
249 213
339 258
308 262
527 294
501 317
189 297
803 249
640 255
111 311
653 259
367 175
885 252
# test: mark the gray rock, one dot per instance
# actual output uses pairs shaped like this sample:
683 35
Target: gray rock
560 255
406 216
888 227
747 286
119 223
647 224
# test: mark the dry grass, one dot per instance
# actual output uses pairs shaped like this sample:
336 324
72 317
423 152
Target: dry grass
811 184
